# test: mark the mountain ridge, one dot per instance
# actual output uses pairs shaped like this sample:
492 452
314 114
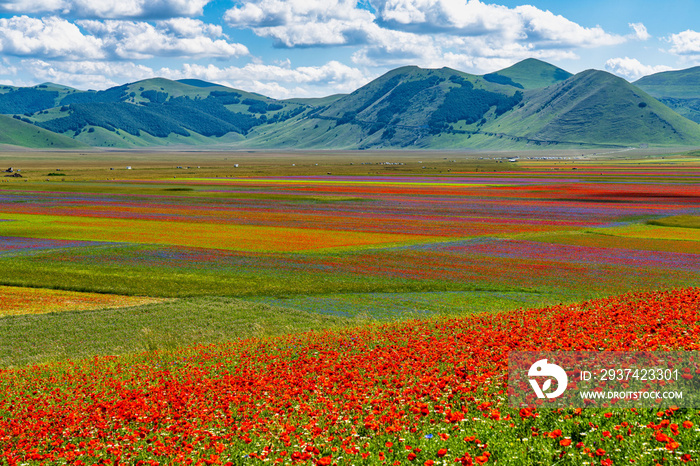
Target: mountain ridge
531 103
679 90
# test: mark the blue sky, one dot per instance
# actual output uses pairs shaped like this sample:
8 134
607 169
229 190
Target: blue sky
289 48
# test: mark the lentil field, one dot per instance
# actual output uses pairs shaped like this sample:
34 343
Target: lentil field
355 313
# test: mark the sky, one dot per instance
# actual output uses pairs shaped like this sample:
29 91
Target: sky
313 48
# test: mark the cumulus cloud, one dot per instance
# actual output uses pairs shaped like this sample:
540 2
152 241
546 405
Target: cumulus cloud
51 37
524 23
640 31
342 21
685 43
632 69
182 37
546 29
108 9
86 74
304 23
279 81
57 38
388 47
6 69
421 31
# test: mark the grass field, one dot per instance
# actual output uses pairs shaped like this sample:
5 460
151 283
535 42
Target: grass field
129 270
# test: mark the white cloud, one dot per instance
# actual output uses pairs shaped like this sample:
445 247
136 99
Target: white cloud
421 31
57 38
6 68
342 20
108 9
303 22
546 29
389 47
640 31
182 37
685 43
632 69
32 6
279 81
51 37
86 74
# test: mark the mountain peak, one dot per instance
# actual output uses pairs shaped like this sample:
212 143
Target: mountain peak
532 73
198 83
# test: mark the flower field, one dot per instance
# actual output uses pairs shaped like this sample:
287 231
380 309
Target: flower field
362 318
544 230
16 301
416 392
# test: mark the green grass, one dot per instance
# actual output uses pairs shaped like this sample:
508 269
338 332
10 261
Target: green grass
164 326
678 221
678 84
42 272
402 305
677 89
18 133
167 326
599 108
533 74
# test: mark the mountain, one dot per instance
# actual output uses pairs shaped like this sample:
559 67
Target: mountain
529 74
528 104
157 112
197 83
406 107
596 107
413 107
16 132
679 90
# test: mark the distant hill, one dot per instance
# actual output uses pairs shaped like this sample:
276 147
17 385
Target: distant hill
19 133
528 104
418 108
405 107
529 74
197 83
679 90
599 108
159 111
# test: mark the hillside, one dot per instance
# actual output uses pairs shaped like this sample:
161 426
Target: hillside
529 74
161 112
528 104
597 107
679 90
19 133
412 107
405 107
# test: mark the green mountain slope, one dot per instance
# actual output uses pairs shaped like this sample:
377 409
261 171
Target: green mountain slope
162 112
596 107
679 90
412 107
197 83
408 107
403 108
529 74
19 133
